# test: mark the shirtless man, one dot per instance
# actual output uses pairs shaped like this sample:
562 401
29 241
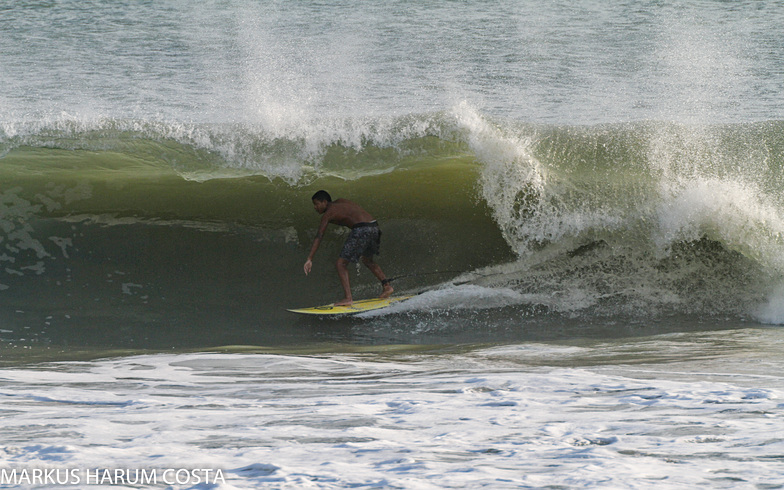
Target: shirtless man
363 241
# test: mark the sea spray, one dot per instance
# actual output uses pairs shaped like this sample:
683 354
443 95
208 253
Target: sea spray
512 181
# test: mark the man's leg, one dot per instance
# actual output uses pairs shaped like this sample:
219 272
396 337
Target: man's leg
342 267
376 270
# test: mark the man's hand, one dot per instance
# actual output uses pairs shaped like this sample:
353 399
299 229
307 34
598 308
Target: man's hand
308 266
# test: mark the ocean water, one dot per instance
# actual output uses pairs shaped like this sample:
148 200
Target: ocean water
585 198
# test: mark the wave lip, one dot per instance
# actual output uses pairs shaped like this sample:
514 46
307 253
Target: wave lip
348 148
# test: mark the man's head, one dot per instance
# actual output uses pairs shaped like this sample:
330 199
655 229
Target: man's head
321 201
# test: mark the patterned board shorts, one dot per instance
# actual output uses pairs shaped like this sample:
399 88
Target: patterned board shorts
363 241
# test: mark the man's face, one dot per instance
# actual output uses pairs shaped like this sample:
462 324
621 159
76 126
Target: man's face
320 206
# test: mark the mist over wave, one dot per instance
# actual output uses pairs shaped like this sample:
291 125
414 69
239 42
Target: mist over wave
531 165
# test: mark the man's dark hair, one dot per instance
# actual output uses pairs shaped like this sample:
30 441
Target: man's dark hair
321 196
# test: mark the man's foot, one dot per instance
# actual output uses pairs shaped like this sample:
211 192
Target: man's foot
387 292
344 302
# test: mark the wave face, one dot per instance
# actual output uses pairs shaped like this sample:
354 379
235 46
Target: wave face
169 230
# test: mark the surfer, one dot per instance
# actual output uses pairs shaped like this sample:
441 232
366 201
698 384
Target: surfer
362 243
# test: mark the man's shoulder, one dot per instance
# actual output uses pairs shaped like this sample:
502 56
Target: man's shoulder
344 205
338 208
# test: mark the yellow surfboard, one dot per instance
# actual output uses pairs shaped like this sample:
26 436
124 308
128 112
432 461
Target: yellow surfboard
356 307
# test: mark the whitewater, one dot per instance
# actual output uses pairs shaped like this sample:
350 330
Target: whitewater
585 201
499 417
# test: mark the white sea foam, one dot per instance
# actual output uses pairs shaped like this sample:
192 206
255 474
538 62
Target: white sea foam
738 214
482 420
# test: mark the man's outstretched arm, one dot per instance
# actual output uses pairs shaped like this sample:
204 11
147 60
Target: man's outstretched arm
309 262
322 228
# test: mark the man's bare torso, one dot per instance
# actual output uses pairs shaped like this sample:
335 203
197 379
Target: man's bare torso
346 213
